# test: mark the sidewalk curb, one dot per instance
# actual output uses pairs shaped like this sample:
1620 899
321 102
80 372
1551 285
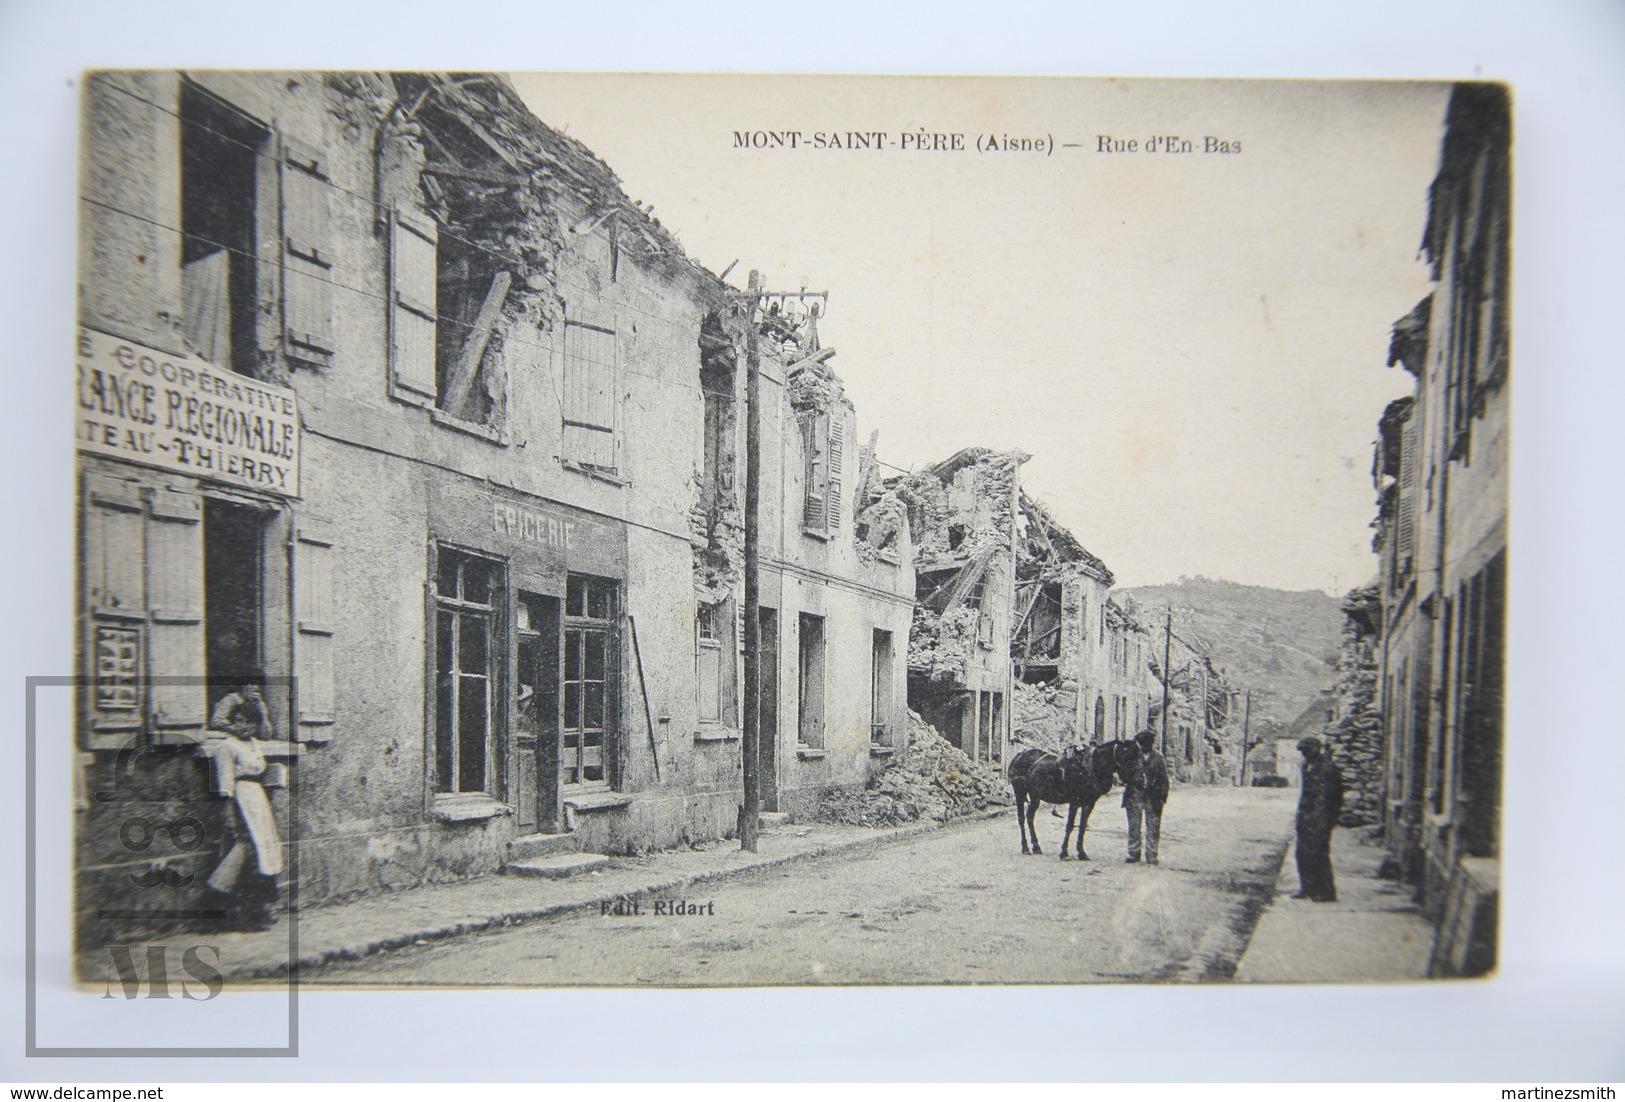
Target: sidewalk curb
357 951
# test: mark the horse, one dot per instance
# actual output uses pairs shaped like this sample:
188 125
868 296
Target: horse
1077 778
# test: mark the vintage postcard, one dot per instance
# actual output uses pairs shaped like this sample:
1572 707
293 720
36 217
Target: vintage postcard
608 530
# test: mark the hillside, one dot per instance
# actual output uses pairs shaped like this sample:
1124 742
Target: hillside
1282 645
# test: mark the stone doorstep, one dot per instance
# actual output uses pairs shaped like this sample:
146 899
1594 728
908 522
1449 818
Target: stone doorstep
529 846
559 866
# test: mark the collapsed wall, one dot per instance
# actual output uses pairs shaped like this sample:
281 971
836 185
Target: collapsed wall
961 518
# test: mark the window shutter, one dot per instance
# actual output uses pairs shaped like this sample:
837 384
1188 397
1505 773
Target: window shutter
1407 497
175 602
589 395
413 273
815 515
113 566
833 465
113 580
307 265
314 623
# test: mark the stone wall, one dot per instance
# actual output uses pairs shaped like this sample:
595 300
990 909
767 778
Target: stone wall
1355 735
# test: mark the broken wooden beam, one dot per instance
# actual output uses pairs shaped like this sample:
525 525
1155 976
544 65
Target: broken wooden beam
460 386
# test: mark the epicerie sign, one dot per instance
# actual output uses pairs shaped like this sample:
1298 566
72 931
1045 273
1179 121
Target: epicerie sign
185 415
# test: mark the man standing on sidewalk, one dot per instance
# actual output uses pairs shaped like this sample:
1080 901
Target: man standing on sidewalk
1318 807
1143 797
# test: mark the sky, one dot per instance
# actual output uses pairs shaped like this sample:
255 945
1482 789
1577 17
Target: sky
1192 346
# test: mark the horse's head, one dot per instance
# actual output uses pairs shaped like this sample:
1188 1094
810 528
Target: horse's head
1125 758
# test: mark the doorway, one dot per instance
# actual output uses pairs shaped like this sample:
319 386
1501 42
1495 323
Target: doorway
536 714
233 578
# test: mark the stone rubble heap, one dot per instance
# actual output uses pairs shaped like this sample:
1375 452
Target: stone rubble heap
934 781
1045 717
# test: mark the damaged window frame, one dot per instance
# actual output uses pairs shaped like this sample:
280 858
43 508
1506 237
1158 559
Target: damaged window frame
447 292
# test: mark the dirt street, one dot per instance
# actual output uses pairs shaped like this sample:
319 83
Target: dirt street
961 905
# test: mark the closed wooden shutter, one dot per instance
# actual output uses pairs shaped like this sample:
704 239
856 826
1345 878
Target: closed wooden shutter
179 694
1407 498
589 395
113 594
834 463
814 437
314 633
307 266
412 280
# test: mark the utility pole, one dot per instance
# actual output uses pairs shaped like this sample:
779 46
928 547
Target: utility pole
750 812
1246 737
1167 672
753 298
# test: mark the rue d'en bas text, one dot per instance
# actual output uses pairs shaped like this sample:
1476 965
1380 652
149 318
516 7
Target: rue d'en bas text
1042 144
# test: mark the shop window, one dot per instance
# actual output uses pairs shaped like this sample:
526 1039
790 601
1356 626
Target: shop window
823 448
880 689
589 396
220 148
465 591
810 681
591 674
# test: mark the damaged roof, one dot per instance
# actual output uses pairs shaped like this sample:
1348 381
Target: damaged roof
490 109
1060 541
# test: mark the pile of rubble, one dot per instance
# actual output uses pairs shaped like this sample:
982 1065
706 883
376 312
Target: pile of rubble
1045 716
934 780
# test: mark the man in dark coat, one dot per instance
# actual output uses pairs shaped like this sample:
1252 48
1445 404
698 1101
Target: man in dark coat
1143 796
1318 807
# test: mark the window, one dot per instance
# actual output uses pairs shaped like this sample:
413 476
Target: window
589 396
446 297
591 674
219 279
810 681
466 588
182 597
823 447
715 662
1100 719
880 689
717 373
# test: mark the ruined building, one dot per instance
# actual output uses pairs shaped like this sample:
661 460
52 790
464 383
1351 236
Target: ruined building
388 389
962 513
1011 606
1441 479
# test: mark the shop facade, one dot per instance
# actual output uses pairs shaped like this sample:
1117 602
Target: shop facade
388 391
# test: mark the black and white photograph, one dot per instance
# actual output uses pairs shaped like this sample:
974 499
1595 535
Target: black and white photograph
624 543
897 531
